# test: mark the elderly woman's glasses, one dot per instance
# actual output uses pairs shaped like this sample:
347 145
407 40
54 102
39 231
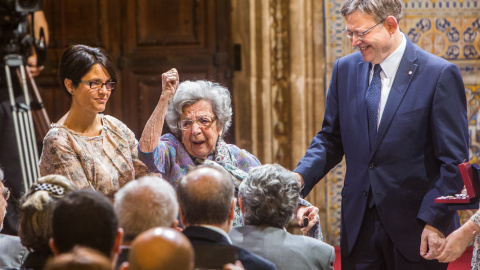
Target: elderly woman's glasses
6 193
97 85
359 35
202 121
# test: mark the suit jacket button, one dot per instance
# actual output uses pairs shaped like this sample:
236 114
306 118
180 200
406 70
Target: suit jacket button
371 166
365 192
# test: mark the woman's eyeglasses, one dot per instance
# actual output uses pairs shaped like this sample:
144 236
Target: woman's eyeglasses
97 85
202 121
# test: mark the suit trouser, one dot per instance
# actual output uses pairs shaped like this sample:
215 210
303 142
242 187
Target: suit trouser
375 250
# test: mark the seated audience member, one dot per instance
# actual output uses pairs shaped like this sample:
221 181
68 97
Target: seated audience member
86 218
12 252
268 198
91 149
160 248
207 208
80 258
35 227
140 205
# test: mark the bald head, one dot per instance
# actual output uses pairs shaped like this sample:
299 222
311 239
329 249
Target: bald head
80 258
161 248
205 195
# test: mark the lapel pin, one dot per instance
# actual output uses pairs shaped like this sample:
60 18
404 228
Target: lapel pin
410 72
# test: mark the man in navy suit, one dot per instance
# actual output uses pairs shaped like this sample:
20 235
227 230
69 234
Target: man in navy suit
207 208
401 149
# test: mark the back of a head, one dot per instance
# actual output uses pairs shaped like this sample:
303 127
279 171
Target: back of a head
269 195
86 218
80 258
145 203
35 208
161 249
205 195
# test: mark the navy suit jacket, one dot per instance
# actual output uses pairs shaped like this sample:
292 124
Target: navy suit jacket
421 139
199 236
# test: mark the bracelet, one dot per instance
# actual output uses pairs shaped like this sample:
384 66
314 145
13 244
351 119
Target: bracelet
475 233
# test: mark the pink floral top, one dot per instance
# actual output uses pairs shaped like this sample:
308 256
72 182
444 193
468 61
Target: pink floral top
105 162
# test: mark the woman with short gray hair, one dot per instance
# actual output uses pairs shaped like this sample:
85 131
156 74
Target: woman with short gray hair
199 114
190 92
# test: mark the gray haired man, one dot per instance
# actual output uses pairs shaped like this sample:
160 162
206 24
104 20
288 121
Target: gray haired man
268 198
143 204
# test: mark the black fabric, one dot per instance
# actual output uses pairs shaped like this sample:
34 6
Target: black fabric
374 250
199 236
36 260
122 257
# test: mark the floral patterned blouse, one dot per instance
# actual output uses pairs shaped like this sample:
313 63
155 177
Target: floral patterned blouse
105 162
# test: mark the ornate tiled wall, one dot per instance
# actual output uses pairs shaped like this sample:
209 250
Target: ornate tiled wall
449 29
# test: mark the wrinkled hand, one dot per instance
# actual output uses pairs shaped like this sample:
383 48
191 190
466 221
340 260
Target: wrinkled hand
307 211
170 81
431 240
455 244
237 266
32 64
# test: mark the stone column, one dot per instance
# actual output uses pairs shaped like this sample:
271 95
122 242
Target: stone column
279 94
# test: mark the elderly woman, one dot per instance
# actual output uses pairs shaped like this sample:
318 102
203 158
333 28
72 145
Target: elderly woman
35 228
268 198
198 114
91 149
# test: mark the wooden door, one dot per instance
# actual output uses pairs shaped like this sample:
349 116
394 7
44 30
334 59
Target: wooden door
146 38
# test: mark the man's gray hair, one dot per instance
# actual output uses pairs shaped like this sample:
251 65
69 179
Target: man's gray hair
269 195
2 175
145 203
379 9
205 195
190 92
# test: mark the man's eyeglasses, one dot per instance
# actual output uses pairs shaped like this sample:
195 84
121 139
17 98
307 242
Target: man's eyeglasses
202 121
359 35
97 85
6 193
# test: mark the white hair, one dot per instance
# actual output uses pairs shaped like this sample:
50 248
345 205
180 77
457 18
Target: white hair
145 203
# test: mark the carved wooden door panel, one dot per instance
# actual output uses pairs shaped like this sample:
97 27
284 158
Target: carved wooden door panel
189 35
89 22
146 38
